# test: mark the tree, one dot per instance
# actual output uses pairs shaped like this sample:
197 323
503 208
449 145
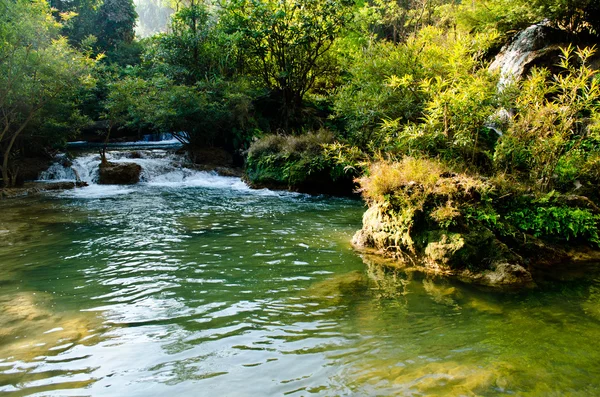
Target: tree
38 69
194 49
115 23
111 22
285 43
206 114
399 19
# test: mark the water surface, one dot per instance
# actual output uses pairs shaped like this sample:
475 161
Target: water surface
199 286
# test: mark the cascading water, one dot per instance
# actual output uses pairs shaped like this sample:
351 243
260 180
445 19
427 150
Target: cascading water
159 168
513 59
516 58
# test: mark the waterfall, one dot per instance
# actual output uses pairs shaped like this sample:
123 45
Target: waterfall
514 58
160 168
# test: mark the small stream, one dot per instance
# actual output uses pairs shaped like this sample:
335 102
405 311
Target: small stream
193 284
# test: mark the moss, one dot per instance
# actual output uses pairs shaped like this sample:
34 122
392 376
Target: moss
442 248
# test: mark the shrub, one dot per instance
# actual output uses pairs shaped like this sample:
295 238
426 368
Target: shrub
552 126
295 162
559 222
387 179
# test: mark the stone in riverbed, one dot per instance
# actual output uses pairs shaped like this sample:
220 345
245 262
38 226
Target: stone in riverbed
119 173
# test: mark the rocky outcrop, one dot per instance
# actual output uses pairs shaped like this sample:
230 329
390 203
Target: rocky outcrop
119 173
423 217
473 255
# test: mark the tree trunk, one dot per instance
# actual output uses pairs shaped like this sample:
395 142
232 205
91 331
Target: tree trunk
8 182
5 177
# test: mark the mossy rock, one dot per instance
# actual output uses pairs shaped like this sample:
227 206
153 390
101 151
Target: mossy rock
472 254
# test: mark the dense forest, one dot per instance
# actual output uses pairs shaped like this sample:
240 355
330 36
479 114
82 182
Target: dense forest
395 96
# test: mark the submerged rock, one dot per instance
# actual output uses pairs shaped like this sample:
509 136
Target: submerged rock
119 173
31 328
336 287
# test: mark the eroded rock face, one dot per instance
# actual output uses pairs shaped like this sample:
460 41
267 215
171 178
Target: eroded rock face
119 173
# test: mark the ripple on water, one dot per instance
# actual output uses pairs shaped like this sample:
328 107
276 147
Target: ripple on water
223 291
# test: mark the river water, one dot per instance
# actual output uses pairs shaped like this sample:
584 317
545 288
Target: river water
192 284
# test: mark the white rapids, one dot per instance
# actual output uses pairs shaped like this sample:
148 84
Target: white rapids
161 168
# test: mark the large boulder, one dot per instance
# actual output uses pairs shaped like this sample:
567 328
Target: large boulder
119 173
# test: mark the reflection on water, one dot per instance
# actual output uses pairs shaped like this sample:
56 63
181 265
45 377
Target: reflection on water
209 290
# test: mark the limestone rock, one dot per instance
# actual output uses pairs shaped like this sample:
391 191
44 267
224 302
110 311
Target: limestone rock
119 173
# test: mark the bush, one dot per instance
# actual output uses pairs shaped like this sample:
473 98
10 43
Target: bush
558 222
296 162
552 135
388 179
509 16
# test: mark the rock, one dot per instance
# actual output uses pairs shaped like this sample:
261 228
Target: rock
502 275
222 171
362 240
471 254
62 185
134 155
119 173
31 188
339 286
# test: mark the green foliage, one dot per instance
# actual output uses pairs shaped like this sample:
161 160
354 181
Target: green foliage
206 114
425 96
560 222
285 44
547 216
110 22
194 49
509 16
551 124
39 76
366 100
294 160
504 16
115 23
398 20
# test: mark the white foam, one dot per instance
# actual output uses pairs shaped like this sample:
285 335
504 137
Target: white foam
160 168
98 191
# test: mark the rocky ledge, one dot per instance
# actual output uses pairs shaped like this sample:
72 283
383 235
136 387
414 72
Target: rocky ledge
473 255
31 188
